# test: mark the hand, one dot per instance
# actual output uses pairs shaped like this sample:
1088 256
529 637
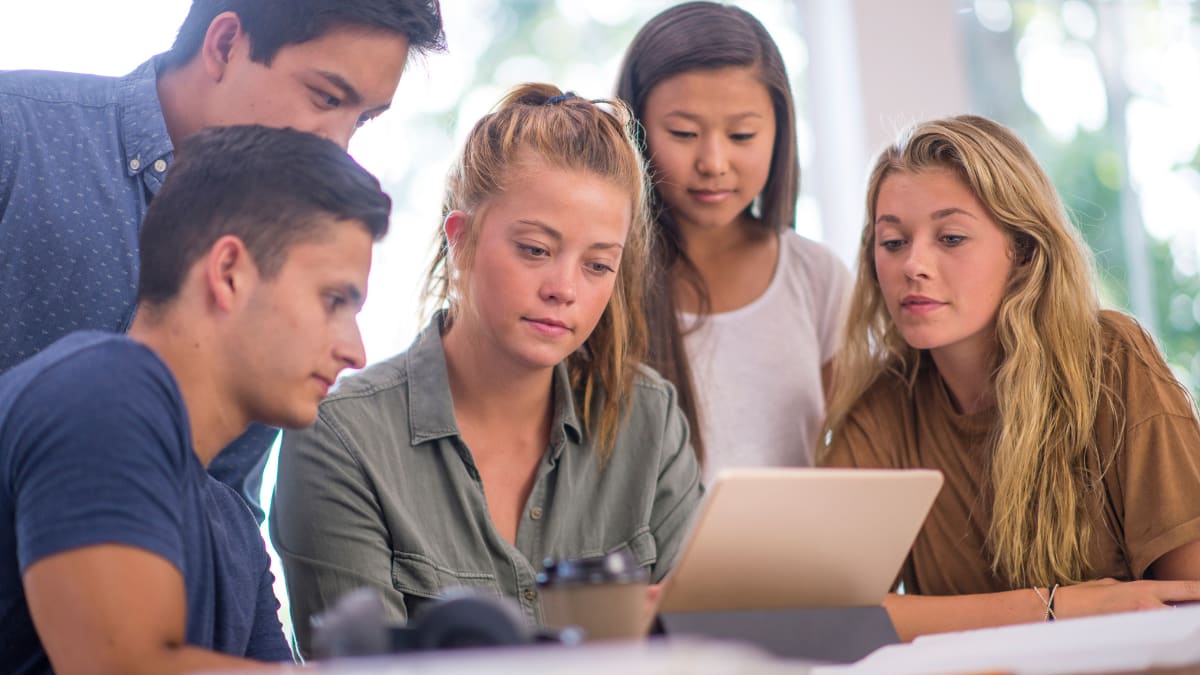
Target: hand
652 593
1107 596
652 601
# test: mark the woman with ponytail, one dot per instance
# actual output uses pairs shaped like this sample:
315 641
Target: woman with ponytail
520 424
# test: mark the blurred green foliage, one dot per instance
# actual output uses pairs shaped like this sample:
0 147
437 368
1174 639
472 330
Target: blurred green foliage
1088 171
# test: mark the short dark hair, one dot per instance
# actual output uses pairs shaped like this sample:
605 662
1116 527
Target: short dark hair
273 24
271 188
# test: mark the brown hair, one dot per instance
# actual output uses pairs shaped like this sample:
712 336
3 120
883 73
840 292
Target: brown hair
684 38
272 188
568 132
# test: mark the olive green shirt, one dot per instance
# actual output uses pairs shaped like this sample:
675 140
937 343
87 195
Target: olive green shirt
382 491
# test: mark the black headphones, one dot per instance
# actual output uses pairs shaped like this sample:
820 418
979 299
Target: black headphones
460 618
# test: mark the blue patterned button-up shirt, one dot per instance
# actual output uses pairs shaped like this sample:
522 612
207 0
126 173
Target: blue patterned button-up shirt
80 158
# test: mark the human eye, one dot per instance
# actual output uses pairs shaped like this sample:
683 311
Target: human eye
953 240
742 137
335 301
680 133
890 244
600 267
532 250
325 100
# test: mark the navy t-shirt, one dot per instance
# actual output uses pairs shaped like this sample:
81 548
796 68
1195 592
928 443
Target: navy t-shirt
95 449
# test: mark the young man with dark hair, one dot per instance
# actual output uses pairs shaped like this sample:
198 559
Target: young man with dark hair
254 258
82 156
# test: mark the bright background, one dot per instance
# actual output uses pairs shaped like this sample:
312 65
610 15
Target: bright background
1107 93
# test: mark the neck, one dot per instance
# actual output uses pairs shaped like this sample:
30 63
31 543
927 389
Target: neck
182 106
213 417
966 370
706 245
495 392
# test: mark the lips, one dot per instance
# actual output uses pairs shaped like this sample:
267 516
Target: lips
548 326
919 304
710 196
326 383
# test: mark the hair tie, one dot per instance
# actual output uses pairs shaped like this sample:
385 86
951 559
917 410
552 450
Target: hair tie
560 98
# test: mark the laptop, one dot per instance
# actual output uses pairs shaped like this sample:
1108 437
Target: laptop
799 538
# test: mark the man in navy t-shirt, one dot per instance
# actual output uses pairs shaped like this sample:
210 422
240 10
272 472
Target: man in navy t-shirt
118 552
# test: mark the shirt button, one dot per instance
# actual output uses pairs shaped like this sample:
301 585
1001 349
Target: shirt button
535 513
134 164
531 595
160 165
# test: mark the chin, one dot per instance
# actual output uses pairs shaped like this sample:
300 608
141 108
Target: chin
918 340
292 419
540 360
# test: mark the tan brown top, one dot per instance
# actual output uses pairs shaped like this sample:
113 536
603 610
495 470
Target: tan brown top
1150 503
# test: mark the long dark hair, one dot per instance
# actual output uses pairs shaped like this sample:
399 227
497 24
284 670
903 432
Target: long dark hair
684 38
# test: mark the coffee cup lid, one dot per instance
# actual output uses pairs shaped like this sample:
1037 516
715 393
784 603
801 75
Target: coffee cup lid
617 567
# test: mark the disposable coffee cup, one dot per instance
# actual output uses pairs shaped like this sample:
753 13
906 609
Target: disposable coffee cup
604 596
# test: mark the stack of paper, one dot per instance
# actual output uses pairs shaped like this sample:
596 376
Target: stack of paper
1131 641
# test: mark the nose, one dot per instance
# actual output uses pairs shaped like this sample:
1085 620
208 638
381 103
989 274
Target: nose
348 348
917 264
337 130
712 158
342 135
559 285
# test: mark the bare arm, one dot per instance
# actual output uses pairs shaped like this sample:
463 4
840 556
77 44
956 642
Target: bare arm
115 609
916 615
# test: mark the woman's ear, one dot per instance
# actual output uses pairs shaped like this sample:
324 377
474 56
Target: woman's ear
1023 249
455 226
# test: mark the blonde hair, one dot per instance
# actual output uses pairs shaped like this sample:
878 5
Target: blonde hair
1048 358
538 123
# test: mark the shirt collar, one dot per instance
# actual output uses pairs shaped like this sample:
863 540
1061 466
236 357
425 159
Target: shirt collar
143 130
431 408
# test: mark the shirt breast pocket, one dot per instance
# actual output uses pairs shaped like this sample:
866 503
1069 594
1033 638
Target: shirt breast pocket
642 547
422 581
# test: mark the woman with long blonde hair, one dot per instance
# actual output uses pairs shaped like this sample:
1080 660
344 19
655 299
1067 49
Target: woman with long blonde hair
976 345
520 424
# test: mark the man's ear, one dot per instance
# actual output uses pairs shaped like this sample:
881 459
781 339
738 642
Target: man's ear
220 41
229 273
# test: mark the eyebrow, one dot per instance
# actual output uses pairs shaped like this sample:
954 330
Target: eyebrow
953 210
349 94
936 215
557 236
697 118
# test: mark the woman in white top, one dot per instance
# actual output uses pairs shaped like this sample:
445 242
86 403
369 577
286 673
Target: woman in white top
744 316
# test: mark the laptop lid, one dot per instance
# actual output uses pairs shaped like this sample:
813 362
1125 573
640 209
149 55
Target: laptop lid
799 538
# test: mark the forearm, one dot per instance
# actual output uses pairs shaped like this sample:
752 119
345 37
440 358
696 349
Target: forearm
161 660
188 660
916 615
